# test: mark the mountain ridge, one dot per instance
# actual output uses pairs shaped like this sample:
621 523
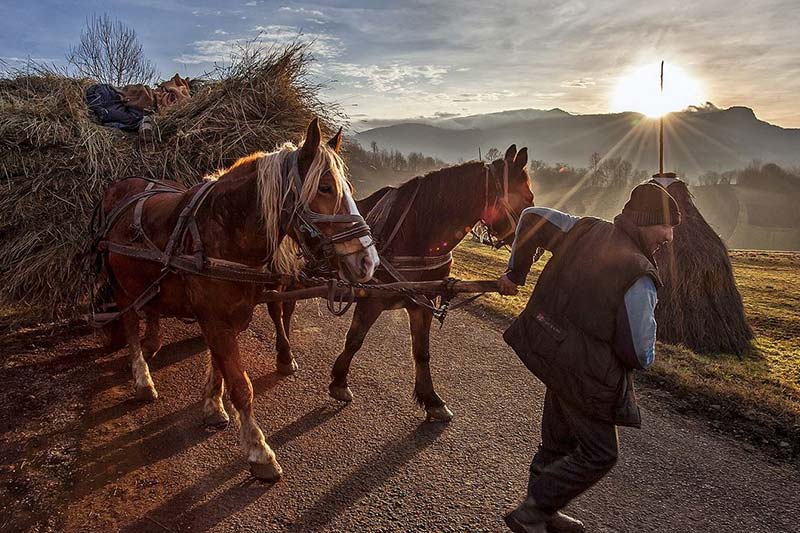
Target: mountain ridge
697 140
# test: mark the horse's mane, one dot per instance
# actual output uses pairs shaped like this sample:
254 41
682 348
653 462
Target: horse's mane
272 191
365 205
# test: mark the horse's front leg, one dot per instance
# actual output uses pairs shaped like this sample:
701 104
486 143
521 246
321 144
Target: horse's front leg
420 321
151 343
364 316
225 351
285 362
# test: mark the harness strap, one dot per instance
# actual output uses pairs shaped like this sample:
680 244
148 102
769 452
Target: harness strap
420 300
210 267
99 320
137 211
502 202
413 263
189 210
198 252
118 210
399 223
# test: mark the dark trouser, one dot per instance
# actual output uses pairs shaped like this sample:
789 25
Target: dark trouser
576 452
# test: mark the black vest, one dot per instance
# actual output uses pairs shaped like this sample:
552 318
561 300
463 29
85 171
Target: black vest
565 334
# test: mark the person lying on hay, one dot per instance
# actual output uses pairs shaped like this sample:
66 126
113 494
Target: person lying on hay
589 323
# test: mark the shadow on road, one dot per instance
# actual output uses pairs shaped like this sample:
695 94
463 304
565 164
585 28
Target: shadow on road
372 474
206 515
169 354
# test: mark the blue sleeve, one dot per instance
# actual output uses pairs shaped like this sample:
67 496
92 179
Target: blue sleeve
635 338
539 227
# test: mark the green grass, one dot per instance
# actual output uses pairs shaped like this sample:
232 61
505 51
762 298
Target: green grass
763 387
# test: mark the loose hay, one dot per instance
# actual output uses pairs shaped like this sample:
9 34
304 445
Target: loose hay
56 161
699 305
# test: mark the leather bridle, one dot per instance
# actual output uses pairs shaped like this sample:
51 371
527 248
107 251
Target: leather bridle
501 200
318 249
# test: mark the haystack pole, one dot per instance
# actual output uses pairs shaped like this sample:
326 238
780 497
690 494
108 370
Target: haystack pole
661 129
699 304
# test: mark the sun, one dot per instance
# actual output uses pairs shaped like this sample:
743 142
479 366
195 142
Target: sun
639 91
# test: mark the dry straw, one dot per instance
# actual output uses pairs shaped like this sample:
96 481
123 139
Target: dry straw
699 305
55 161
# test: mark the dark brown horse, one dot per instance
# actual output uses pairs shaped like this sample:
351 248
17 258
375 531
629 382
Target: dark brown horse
425 219
240 222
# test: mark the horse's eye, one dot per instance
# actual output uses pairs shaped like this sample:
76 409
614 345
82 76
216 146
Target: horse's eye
325 189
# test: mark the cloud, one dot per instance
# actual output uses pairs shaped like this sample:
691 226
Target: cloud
391 77
303 11
580 83
406 59
205 12
484 97
324 45
547 95
218 50
210 51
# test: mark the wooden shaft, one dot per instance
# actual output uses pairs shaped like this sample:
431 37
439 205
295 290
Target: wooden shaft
661 129
420 287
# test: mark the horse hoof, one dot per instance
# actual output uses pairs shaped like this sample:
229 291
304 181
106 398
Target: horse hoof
286 369
146 394
343 394
269 472
439 414
216 421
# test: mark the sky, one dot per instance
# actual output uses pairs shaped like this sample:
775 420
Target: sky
401 60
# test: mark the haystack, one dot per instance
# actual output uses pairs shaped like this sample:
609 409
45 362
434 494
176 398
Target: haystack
699 305
55 161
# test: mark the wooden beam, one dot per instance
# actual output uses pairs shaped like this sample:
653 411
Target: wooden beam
430 288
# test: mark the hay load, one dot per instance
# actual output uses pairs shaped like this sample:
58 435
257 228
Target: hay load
56 161
699 305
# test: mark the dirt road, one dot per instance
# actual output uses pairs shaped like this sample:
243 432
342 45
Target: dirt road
375 465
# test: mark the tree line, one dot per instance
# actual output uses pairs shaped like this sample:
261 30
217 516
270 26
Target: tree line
757 175
381 159
609 172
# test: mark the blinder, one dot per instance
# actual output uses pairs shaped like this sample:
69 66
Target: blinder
318 248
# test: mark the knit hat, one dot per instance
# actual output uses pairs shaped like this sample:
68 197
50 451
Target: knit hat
650 205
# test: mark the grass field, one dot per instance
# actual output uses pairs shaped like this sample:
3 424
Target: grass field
763 388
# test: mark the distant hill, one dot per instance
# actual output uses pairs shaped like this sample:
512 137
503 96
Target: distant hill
702 139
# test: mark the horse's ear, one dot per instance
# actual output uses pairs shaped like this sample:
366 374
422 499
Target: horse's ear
335 143
510 153
310 147
521 159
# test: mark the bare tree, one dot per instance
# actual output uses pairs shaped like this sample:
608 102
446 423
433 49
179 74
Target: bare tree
493 154
110 52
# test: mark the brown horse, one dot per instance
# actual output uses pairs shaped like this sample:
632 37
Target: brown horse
426 218
240 222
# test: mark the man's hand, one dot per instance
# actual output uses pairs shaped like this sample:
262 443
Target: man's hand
506 287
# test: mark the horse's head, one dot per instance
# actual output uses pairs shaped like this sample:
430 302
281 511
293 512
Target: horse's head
512 194
327 222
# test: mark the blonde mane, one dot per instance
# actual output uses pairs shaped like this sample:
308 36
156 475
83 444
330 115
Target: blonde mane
272 193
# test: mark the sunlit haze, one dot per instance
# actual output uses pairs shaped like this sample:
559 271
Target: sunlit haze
638 90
